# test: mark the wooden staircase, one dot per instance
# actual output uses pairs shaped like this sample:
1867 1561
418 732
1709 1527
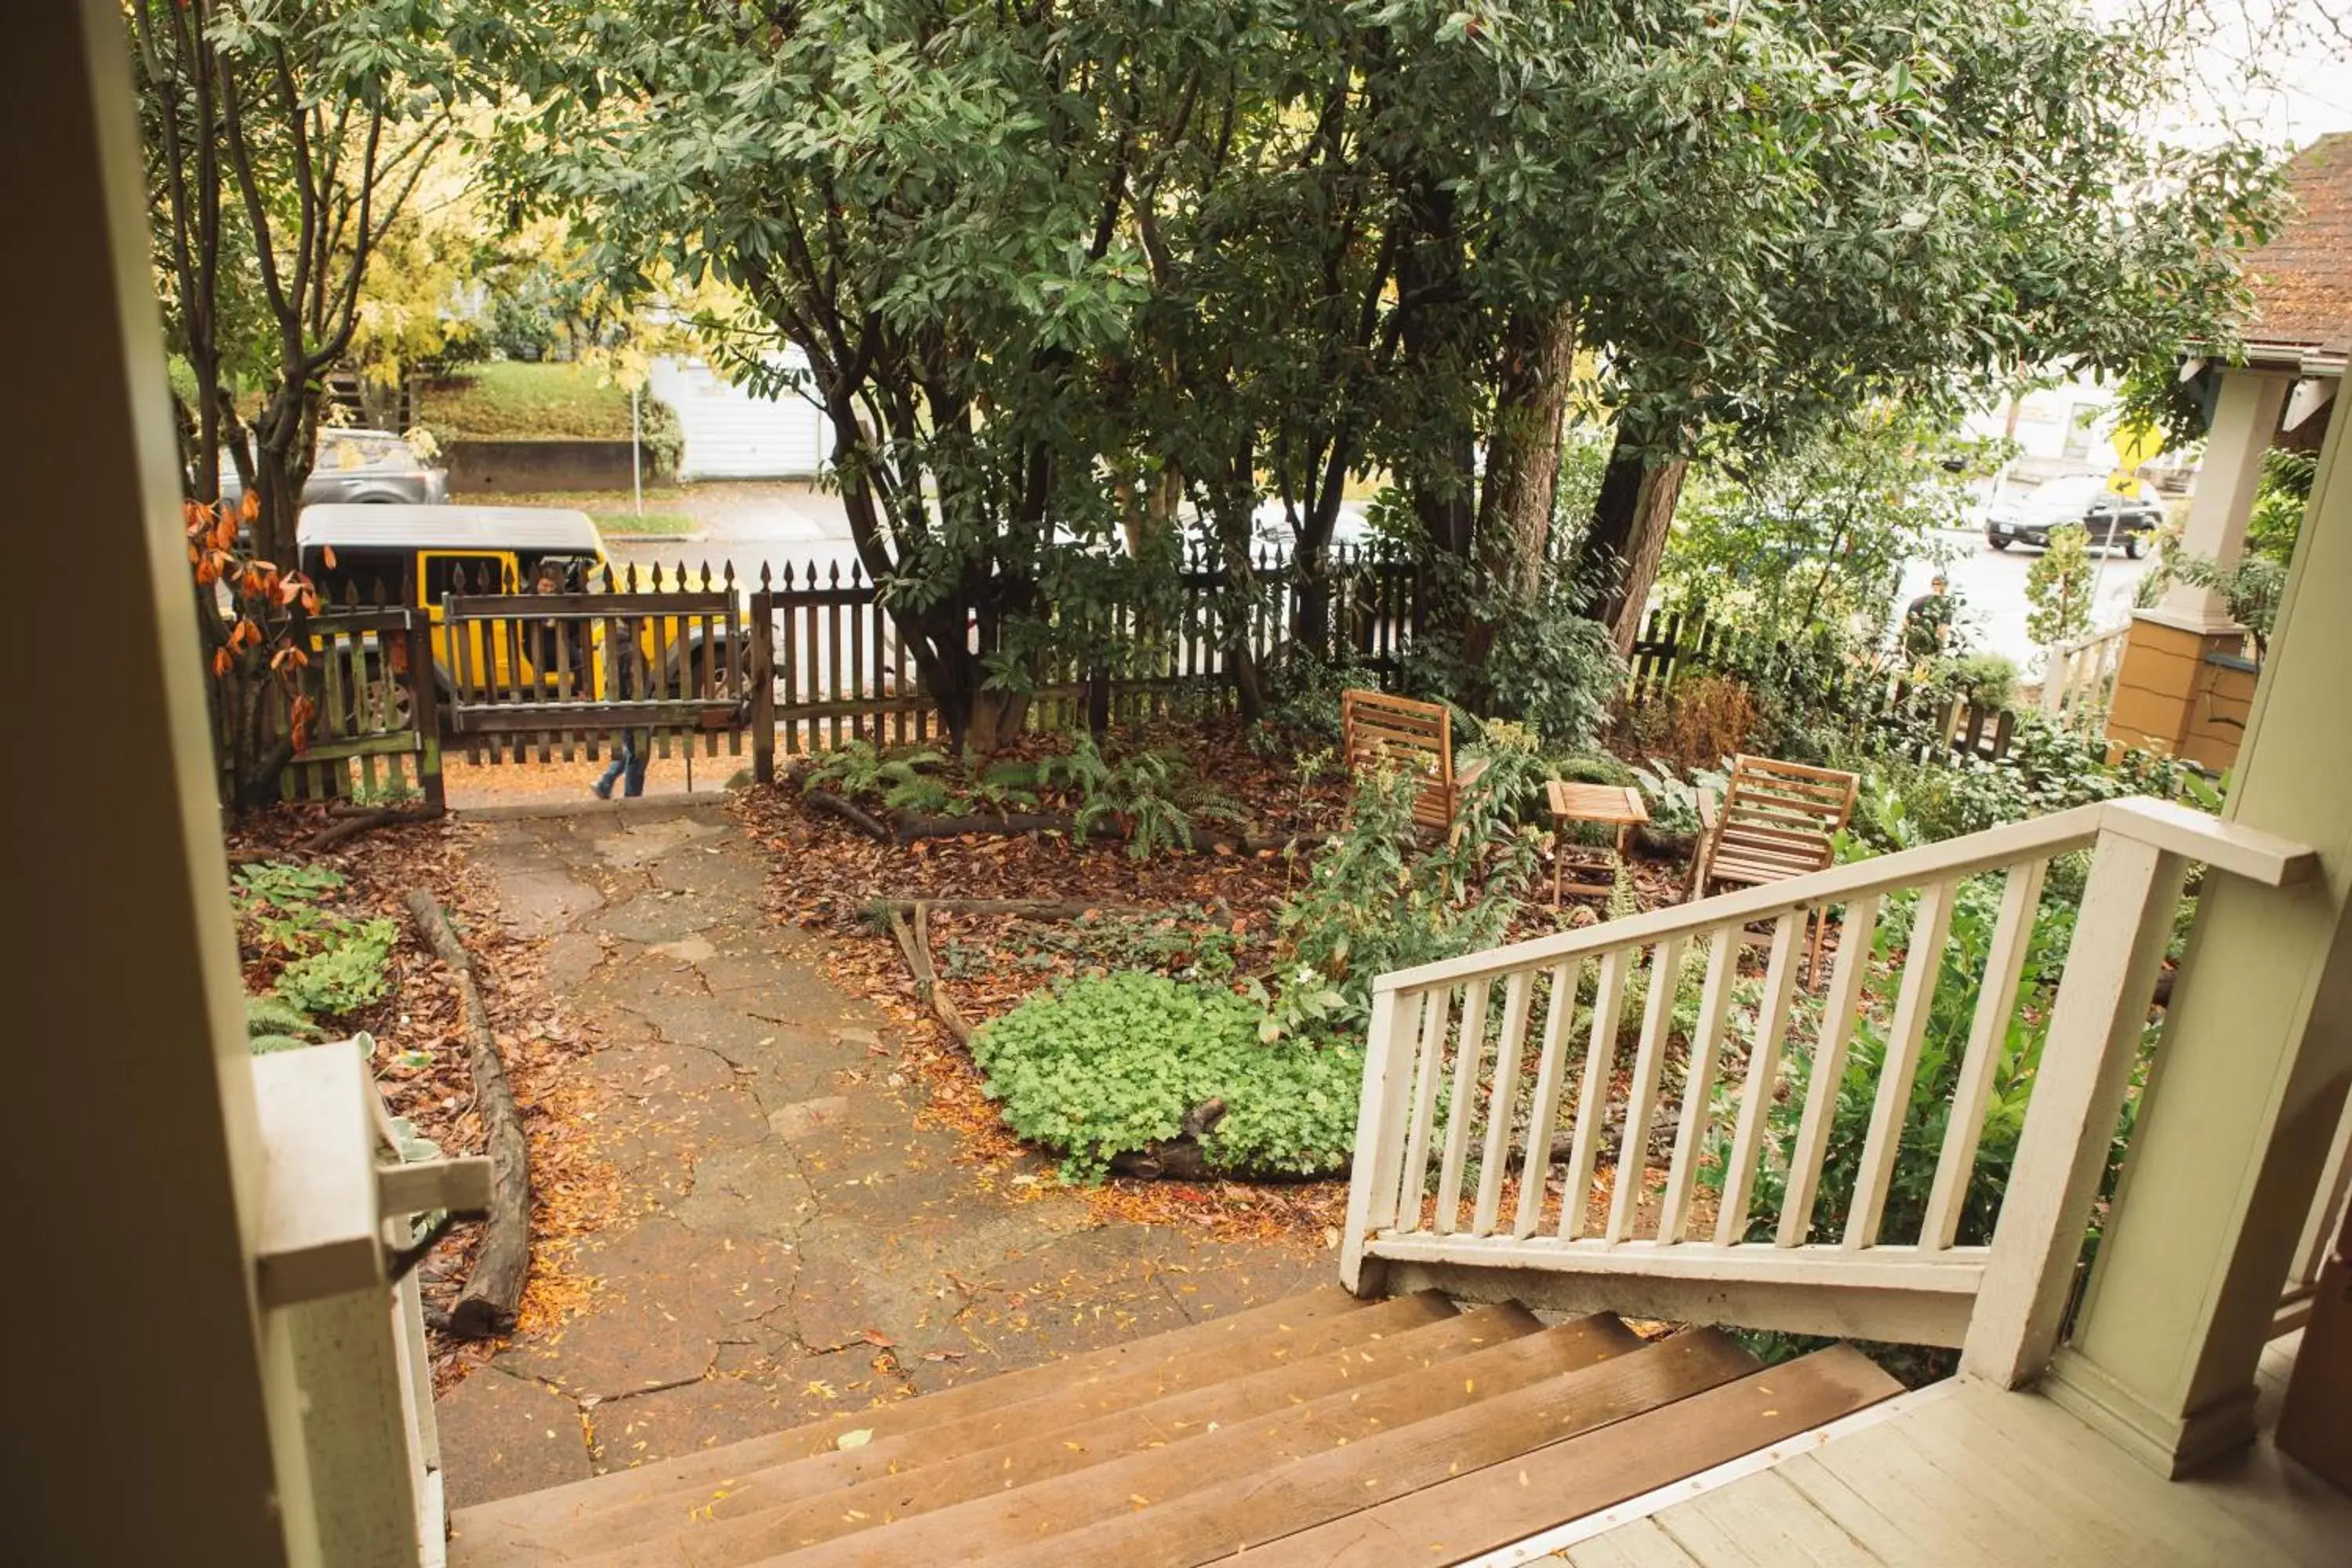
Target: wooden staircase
1323 1429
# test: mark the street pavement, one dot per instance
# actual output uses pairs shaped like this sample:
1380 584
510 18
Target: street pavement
1990 587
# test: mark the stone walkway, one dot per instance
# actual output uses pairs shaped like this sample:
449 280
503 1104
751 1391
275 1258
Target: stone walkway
800 1246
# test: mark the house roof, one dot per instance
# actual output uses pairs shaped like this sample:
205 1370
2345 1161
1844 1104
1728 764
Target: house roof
2301 280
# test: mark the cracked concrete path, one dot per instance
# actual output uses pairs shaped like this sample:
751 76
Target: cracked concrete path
799 1247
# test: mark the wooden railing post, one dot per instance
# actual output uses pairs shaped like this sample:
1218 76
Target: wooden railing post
2120 933
1379 1134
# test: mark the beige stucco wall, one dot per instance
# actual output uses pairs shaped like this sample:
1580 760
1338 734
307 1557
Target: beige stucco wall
150 1409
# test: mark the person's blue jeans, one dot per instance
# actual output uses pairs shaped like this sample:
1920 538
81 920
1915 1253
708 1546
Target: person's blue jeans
627 761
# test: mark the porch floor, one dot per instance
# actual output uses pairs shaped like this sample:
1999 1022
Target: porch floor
1966 1474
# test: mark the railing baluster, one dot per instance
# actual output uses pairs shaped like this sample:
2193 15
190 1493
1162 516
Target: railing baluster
1699 1084
1763 1071
1469 1045
1642 1097
1922 966
1435 1006
1828 1068
1502 1102
1592 1096
1551 1071
2021 900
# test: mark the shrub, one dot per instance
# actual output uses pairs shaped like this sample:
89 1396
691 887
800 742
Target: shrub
1302 709
1105 1067
1376 899
1987 680
1594 767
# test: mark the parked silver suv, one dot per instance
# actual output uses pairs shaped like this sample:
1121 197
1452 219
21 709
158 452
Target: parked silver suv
359 467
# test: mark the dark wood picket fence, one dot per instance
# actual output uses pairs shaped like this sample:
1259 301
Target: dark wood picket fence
840 672
372 731
812 659
1882 705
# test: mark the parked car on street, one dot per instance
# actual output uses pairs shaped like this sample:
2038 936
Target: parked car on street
2110 519
360 467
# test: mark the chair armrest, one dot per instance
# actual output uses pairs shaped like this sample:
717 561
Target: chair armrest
1707 811
1466 772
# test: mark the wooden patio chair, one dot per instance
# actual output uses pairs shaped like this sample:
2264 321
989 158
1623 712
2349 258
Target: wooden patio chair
1776 820
1376 730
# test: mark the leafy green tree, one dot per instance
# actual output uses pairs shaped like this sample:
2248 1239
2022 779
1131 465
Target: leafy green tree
1983 193
1058 272
1821 534
2058 588
283 143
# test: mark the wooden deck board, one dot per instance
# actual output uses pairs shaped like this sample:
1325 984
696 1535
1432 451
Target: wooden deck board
1997 1479
1641 1544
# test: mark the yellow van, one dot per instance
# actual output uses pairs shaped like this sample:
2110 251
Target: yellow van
364 555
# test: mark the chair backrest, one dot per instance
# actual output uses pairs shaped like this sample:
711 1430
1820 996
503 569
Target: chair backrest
1416 738
1778 818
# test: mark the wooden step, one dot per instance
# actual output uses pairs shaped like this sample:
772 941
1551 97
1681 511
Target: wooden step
745 1525
1208 1524
550 1526
1260 1448
1491 1508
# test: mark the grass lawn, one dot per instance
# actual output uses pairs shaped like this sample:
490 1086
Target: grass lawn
612 511
652 523
508 399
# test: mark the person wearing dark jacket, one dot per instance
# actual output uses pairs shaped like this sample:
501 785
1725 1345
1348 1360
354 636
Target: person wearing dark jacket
629 683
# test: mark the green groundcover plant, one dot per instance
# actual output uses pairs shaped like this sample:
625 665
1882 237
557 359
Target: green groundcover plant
1104 1066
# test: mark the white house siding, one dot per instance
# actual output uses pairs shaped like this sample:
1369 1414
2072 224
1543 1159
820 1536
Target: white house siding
733 434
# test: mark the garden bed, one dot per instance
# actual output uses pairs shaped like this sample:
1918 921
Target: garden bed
1211 918
420 1056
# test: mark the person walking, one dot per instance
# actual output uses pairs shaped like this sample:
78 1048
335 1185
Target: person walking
629 684
1928 621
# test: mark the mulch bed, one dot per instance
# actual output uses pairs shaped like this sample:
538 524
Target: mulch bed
420 1054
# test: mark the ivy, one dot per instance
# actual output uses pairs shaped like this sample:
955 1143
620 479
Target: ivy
1105 1067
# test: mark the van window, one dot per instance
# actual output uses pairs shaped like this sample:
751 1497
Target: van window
367 577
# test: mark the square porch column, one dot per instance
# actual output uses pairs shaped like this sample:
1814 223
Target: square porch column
2238 1118
2171 695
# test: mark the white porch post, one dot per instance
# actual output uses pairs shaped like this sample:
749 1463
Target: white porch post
2251 1078
152 1402
2244 418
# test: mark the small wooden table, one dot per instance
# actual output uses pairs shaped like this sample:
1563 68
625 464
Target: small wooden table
1574 803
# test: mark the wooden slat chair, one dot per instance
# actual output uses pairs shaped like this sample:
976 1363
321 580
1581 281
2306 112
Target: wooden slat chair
1417 737
1776 820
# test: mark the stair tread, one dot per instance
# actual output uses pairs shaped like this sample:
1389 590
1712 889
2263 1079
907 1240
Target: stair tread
1255 1511
748 1524
1491 1508
530 1528
1254 1448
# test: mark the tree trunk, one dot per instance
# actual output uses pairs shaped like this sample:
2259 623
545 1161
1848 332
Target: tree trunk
1514 510
1619 556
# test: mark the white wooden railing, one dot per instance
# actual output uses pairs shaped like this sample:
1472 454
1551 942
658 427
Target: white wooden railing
337 1211
2078 681
1484 1068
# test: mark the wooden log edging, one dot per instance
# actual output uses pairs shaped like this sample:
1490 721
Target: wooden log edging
493 1292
